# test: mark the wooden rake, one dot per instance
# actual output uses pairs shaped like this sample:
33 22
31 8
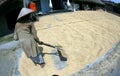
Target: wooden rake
60 51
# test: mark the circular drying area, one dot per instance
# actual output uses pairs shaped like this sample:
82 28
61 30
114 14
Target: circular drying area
84 35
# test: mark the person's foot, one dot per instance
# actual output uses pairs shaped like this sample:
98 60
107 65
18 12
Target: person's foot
41 61
42 65
34 59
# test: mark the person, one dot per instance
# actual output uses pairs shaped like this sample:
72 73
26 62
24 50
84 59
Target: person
32 6
26 33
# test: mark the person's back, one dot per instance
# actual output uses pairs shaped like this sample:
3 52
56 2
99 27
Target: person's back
23 29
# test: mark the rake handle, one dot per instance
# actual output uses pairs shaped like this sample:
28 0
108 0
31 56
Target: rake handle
49 45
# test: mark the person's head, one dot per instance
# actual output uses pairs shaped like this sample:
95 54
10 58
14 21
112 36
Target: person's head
26 14
29 17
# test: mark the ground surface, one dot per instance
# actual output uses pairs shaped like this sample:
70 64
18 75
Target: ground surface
84 35
9 54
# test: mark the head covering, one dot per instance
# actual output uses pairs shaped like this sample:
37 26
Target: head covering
32 6
23 12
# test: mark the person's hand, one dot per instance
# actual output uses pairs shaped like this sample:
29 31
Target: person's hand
40 42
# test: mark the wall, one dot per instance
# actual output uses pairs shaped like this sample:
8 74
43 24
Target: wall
8 15
3 25
109 8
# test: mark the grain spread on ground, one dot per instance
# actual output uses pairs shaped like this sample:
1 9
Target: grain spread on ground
84 35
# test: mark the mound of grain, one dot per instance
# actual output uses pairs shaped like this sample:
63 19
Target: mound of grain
84 35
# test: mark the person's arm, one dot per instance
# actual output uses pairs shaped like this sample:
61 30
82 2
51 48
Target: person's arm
34 33
15 33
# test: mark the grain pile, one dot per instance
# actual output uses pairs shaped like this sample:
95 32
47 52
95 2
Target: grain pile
84 35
